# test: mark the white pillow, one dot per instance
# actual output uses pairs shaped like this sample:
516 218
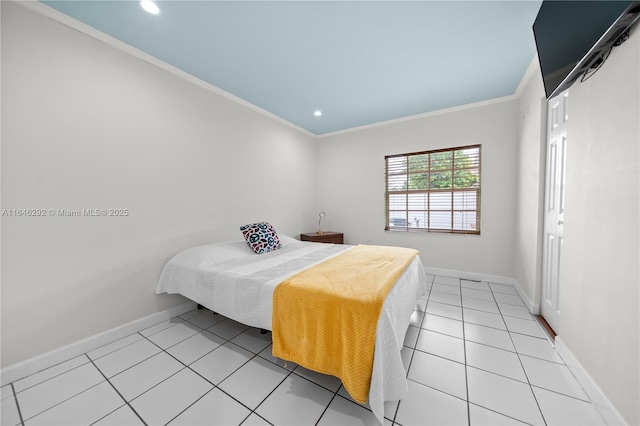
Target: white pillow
286 240
214 253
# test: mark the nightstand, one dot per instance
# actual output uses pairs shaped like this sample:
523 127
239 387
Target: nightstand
326 237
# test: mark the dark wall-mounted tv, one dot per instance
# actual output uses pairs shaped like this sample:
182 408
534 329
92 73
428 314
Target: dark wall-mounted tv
574 37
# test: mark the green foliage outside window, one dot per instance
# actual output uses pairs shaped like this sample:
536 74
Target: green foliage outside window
442 170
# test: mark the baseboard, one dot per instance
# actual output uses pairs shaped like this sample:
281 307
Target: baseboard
38 363
534 308
469 275
606 409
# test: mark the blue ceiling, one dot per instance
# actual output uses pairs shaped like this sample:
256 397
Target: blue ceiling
359 62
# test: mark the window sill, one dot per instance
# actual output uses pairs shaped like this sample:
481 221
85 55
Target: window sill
430 231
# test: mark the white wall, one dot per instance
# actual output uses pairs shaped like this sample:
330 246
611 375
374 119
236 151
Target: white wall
351 184
85 125
530 183
600 298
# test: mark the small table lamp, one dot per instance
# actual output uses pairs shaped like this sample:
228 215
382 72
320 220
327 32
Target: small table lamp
321 215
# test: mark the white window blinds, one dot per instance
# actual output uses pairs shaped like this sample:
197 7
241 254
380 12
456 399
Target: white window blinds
434 191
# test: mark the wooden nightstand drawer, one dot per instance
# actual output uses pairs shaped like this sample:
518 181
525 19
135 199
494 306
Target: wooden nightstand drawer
325 237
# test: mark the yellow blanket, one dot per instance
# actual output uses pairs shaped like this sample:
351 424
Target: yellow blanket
325 317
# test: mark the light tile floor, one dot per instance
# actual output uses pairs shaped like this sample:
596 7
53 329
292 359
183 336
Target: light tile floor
473 353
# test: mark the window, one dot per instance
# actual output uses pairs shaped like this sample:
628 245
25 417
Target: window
434 191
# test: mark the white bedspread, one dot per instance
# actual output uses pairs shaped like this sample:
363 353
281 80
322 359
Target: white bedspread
230 279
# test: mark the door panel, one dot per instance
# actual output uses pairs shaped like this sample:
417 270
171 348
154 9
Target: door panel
554 207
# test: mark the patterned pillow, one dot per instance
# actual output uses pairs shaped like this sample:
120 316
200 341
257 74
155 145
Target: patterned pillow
261 237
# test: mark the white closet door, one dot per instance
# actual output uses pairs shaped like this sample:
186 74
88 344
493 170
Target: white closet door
557 118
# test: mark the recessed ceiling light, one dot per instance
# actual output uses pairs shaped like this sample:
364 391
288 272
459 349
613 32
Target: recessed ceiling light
317 113
150 7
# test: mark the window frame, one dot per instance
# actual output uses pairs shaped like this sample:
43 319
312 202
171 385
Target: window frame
428 172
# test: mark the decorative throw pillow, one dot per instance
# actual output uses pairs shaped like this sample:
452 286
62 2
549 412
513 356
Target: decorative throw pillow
261 237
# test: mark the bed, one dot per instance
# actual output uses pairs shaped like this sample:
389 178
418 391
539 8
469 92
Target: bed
230 279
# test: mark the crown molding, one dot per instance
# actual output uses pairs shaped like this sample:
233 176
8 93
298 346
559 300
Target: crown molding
420 116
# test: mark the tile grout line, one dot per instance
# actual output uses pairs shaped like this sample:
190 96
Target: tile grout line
193 403
480 310
119 394
68 399
517 354
187 367
255 355
227 340
521 364
439 390
49 378
327 407
498 374
15 397
484 370
63 401
131 366
571 372
262 418
251 411
586 401
413 351
473 403
466 366
289 373
116 350
457 397
157 384
180 341
503 414
481 325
